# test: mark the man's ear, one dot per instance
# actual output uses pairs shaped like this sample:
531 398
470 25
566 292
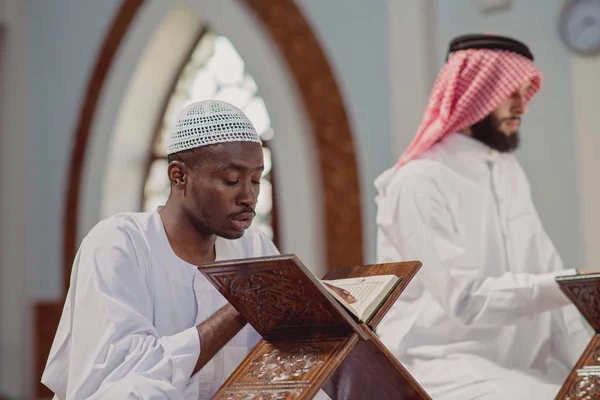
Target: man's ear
178 173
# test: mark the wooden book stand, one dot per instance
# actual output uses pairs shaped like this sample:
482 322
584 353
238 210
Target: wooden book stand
310 341
584 382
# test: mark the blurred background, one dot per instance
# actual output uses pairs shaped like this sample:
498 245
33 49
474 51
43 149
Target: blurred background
89 90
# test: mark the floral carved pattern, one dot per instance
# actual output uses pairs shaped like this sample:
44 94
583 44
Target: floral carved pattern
263 395
585 388
596 356
584 383
277 298
589 296
586 296
286 362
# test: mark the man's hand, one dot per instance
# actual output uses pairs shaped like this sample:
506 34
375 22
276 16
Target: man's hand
586 271
344 294
216 331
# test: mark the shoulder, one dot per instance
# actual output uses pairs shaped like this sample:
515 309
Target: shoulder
119 227
422 176
113 262
119 239
412 194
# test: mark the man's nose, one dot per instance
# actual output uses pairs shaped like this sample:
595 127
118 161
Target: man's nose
519 104
248 195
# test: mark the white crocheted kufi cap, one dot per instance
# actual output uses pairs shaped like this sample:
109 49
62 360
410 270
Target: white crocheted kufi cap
210 122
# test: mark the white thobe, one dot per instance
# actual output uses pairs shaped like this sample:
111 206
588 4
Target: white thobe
484 317
128 328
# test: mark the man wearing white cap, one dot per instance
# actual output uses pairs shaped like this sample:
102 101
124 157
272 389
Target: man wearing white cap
140 321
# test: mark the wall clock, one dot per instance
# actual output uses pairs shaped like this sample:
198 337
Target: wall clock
579 26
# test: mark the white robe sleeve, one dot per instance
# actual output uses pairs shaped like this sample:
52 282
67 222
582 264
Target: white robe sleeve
106 346
420 227
568 332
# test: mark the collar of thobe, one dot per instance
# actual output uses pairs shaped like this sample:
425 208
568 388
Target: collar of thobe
466 146
160 240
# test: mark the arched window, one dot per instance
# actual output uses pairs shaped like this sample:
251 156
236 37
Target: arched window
214 70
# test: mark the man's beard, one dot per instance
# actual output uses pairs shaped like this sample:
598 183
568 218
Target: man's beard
487 132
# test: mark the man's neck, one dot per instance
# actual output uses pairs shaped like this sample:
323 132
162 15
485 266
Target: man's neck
186 241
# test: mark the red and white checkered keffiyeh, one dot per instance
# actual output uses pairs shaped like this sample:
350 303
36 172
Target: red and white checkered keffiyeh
472 84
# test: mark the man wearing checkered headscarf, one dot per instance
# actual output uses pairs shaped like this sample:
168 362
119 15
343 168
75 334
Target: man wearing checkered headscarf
484 318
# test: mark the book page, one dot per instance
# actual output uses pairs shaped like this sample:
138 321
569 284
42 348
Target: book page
365 290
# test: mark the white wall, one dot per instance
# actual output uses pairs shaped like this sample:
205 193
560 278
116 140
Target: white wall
585 75
412 67
15 203
549 151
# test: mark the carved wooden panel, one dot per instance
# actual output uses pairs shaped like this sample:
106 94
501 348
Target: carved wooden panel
345 368
286 370
282 305
579 386
279 297
584 292
287 365
583 382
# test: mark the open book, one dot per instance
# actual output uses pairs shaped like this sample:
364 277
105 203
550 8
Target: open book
369 293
